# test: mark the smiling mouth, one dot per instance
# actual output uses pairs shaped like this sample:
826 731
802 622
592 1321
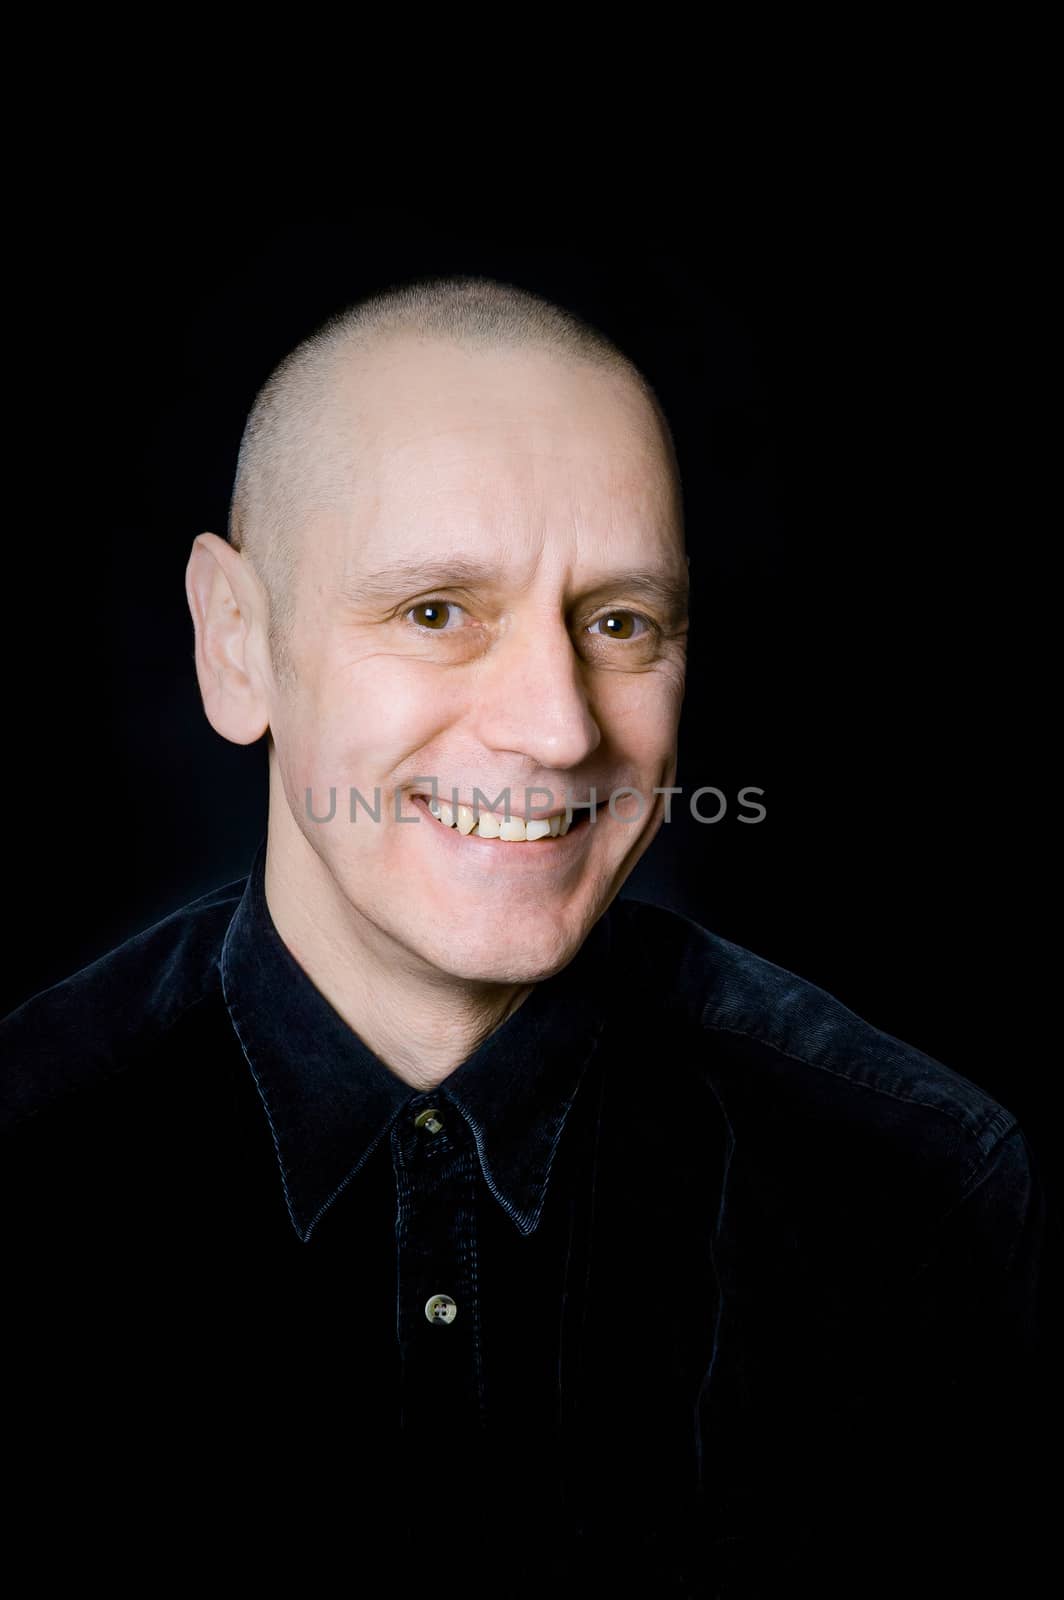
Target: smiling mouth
479 823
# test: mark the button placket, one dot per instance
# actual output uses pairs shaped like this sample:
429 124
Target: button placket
436 1171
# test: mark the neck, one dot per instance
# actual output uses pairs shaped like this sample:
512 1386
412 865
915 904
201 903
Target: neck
420 1022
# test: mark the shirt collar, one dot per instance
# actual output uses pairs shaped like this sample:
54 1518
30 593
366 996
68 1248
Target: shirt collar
330 1100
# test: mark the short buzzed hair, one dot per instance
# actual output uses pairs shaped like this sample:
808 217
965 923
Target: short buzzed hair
285 468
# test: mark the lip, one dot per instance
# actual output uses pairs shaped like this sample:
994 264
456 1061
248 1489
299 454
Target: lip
529 856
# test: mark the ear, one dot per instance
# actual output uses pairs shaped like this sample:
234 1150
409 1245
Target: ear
228 606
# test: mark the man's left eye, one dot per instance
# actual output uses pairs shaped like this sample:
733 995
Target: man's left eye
620 625
434 619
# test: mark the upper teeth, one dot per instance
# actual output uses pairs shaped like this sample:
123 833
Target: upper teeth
495 825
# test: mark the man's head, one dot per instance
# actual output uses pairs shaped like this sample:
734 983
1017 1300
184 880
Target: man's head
456 553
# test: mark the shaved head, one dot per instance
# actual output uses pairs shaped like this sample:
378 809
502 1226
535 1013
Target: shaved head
460 560
296 458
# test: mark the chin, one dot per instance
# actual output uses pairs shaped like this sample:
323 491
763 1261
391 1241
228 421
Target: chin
515 958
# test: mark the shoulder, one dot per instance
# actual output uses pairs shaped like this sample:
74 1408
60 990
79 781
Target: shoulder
777 1046
95 1023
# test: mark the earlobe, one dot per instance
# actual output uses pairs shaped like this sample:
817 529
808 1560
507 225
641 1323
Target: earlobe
221 592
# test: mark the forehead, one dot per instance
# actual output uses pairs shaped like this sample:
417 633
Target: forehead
518 444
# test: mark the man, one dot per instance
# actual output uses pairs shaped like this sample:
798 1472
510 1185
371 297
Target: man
419 1205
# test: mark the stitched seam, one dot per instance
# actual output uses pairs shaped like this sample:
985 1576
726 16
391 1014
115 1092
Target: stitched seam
402 1193
355 1170
1002 1116
234 1016
469 1167
519 1217
563 1121
1000 1121
935 1229
972 1183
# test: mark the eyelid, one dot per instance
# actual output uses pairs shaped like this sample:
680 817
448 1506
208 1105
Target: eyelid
429 600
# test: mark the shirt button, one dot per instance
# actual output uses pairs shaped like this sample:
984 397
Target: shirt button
428 1119
441 1308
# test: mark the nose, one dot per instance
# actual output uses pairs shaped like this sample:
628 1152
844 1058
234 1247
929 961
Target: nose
531 698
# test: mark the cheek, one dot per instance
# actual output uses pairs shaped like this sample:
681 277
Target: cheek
359 721
384 683
643 715
393 705
310 752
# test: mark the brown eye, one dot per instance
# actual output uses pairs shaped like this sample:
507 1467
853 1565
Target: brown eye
619 625
431 614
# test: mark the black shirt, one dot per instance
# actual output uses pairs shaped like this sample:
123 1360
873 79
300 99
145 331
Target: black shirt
687 1279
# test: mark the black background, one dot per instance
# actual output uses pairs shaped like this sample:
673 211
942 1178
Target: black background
853 375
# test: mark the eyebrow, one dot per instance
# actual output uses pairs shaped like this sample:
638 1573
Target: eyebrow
396 578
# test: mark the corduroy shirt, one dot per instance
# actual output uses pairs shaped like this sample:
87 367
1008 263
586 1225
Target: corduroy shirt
688 1280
